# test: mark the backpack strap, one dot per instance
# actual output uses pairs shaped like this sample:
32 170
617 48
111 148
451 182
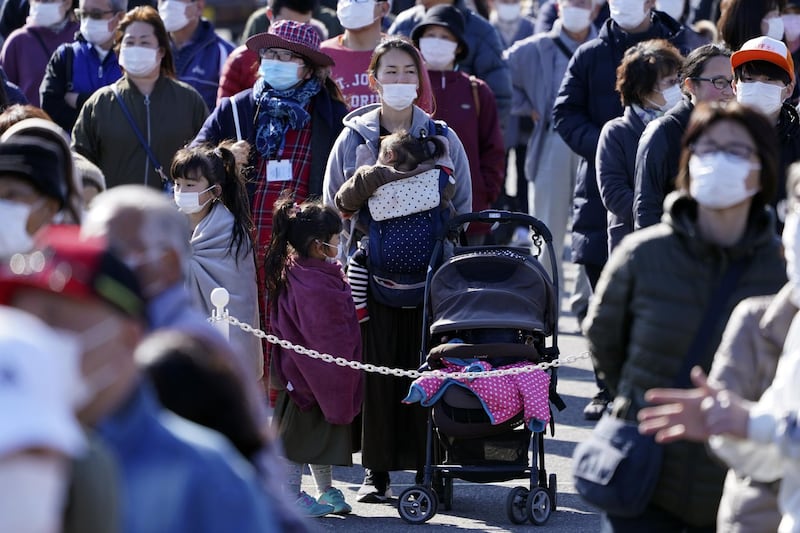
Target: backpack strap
473 81
563 47
69 58
235 111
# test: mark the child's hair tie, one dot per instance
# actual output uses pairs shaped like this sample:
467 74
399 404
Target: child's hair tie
295 208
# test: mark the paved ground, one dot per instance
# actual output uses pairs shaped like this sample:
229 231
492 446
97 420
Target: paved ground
482 507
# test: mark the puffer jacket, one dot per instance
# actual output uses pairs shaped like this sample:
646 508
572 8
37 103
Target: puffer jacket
200 62
485 57
649 302
745 364
586 101
657 158
616 156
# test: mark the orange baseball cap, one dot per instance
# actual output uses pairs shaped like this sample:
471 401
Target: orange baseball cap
764 49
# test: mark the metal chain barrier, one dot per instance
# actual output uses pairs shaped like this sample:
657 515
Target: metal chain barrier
386 371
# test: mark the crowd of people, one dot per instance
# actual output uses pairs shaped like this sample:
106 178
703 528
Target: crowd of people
145 160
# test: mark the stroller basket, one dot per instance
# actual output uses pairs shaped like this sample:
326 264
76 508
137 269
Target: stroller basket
506 449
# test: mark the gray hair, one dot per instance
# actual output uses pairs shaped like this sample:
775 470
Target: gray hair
163 226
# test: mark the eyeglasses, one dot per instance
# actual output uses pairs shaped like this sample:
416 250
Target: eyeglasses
281 55
720 83
734 149
94 15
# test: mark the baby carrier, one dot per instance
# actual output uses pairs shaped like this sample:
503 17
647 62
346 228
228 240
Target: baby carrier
405 217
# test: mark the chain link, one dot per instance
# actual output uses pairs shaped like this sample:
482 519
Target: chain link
399 372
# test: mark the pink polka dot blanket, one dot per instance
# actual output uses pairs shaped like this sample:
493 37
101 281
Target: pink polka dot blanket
502 397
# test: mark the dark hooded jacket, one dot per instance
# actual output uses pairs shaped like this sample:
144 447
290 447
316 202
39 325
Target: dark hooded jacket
649 303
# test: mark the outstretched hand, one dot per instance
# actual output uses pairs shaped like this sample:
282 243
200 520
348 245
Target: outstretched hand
679 413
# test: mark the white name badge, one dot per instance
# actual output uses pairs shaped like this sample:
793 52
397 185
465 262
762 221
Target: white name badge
279 170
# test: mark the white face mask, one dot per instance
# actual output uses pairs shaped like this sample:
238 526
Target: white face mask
791 251
775 28
280 75
575 19
791 27
45 15
96 31
138 60
718 179
77 345
173 13
14 236
33 489
189 202
399 96
672 95
438 53
764 97
508 12
354 15
629 14
673 8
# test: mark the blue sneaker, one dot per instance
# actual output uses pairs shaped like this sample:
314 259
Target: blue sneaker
335 498
308 506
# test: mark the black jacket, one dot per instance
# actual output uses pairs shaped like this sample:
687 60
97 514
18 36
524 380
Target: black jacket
657 160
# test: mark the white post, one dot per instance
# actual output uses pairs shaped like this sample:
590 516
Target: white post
219 315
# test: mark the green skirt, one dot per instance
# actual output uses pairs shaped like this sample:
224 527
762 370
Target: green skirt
307 438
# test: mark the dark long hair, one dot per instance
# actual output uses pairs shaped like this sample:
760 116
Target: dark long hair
295 228
218 165
706 114
740 20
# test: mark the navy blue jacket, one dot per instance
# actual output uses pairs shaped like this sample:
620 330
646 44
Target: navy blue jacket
89 73
14 94
326 124
200 62
586 101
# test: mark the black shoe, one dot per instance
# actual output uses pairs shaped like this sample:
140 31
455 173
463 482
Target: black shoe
375 488
595 408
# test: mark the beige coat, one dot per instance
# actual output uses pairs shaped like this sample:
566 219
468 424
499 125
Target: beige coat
745 363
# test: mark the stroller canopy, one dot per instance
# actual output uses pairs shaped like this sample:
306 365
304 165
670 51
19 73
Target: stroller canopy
492 289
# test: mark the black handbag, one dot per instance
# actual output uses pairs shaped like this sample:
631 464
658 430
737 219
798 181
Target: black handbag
617 468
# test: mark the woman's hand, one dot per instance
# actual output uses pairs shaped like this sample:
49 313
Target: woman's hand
679 414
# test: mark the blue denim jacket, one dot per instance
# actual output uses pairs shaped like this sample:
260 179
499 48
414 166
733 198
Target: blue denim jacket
179 477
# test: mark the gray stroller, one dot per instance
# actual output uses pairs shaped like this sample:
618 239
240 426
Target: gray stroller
501 307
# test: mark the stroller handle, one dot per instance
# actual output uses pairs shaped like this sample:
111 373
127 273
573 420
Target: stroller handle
492 216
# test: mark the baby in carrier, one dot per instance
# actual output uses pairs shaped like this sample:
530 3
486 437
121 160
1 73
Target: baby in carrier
401 156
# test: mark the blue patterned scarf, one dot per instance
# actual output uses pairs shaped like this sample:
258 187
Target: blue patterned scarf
278 111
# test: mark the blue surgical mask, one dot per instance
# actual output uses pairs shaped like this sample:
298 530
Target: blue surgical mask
280 75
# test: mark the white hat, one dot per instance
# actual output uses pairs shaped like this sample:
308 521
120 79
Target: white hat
39 380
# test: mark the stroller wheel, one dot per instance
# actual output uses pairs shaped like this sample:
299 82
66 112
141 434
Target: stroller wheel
539 506
417 504
517 505
552 488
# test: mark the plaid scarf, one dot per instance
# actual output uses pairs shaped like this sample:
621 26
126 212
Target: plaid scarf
278 111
